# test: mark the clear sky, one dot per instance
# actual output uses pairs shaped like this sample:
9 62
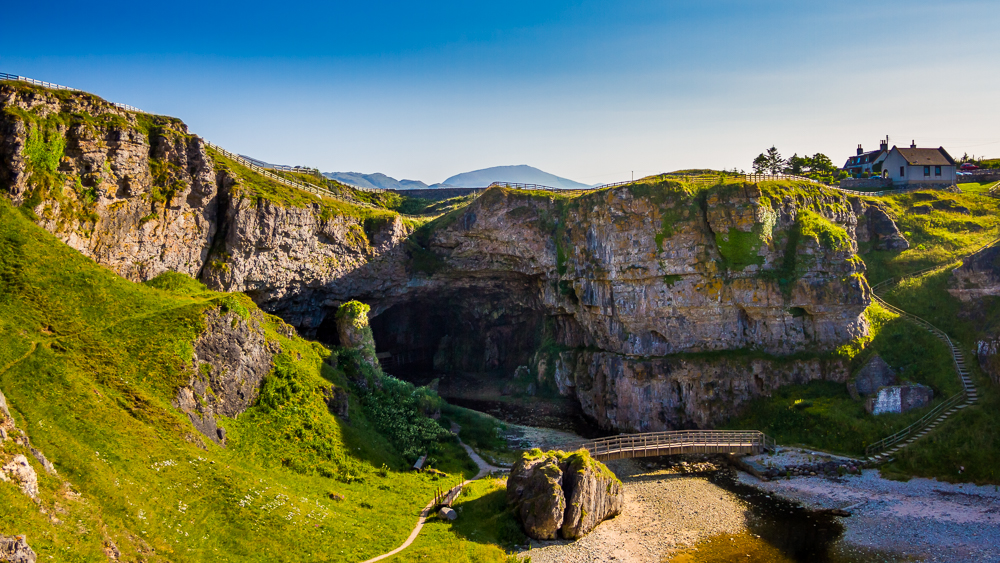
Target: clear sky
586 90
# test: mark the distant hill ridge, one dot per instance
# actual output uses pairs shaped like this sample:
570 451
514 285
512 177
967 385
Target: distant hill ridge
476 179
521 173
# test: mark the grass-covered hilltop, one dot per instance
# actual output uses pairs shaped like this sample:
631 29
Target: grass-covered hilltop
177 387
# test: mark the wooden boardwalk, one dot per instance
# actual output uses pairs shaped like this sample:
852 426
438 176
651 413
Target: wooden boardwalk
652 444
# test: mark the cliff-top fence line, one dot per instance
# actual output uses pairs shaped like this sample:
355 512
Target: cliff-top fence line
253 164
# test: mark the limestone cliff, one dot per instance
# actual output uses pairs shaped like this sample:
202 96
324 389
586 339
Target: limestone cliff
231 358
639 286
136 193
656 305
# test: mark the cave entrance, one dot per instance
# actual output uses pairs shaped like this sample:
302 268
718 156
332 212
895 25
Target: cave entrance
472 330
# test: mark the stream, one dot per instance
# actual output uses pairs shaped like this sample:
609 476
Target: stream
775 531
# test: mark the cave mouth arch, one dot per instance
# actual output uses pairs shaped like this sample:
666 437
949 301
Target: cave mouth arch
471 329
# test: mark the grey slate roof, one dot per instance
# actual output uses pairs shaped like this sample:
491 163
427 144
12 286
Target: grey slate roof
926 157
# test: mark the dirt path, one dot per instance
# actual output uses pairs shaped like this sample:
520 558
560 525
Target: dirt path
484 469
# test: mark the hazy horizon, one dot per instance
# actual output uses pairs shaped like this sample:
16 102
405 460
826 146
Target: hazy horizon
583 90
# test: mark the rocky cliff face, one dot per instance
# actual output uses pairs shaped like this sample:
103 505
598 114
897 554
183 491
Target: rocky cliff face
623 298
638 288
135 193
231 358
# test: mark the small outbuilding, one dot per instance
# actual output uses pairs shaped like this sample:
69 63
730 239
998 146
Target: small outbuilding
920 167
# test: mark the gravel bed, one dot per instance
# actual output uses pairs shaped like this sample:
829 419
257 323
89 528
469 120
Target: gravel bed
922 519
665 510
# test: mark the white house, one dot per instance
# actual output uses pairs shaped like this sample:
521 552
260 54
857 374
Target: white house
919 166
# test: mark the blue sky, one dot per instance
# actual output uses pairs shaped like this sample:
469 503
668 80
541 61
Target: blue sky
585 90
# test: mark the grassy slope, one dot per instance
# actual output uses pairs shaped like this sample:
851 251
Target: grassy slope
89 364
826 418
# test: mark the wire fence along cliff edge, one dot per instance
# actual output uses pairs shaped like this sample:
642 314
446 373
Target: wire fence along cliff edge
250 163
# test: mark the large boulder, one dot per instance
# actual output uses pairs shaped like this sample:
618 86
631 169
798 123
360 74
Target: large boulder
593 493
535 488
15 549
874 375
900 398
558 493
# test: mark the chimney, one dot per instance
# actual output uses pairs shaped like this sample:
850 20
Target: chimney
913 144
861 151
884 145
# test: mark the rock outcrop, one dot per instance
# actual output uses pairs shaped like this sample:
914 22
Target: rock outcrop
978 276
136 194
872 376
231 358
876 226
19 471
558 493
15 549
988 354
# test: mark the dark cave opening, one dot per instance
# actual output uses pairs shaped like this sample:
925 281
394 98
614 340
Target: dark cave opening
480 329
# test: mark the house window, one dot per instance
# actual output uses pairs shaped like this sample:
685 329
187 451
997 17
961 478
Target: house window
927 170
937 170
901 172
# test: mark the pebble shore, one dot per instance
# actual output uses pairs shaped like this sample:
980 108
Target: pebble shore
921 519
666 510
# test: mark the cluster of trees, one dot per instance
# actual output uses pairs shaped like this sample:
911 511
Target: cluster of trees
818 166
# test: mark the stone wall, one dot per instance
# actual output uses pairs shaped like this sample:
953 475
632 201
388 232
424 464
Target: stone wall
866 183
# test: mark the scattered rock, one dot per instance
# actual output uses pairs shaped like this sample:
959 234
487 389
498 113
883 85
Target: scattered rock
447 513
46 464
568 493
15 549
20 471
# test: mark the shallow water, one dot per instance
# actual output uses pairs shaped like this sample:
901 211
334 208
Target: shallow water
779 531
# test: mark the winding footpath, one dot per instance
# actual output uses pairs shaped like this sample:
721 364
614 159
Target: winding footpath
484 470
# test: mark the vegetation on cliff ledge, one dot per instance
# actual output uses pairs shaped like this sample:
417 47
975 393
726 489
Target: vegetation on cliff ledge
90 365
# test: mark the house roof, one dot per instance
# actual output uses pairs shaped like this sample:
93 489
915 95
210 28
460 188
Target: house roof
926 157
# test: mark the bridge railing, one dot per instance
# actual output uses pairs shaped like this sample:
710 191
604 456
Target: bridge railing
720 439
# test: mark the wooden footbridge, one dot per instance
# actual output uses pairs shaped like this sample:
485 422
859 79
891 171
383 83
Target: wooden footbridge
652 444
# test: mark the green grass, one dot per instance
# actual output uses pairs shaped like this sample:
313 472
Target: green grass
484 523
937 238
90 363
259 187
482 432
822 414
968 439
976 187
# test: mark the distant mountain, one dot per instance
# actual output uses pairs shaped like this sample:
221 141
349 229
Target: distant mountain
377 180
522 174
